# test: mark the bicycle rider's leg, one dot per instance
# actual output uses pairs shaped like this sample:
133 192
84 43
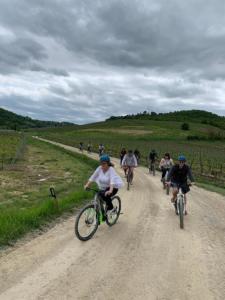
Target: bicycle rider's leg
185 190
175 192
108 198
151 165
185 203
132 173
163 173
125 170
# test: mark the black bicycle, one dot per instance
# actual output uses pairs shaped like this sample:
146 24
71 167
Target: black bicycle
130 176
152 167
94 214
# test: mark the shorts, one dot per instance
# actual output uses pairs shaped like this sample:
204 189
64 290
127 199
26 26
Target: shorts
184 186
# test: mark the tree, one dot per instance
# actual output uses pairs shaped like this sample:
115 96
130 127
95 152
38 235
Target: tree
185 126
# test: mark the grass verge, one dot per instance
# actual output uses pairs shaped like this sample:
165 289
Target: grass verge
17 220
211 188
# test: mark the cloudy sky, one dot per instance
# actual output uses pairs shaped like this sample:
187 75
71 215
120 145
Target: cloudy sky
85 60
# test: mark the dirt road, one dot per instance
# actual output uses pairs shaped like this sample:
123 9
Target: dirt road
144 256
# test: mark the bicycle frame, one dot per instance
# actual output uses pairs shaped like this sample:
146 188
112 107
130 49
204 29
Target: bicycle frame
98 203
180 197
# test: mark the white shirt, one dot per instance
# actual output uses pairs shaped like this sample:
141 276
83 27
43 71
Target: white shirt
166 163
105 179
129 160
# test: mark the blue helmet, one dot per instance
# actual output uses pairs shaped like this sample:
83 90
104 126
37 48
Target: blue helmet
105 157
181 158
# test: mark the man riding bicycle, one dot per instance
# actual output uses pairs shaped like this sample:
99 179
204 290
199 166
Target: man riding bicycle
152 157
101 149
137 155
178 176
129 161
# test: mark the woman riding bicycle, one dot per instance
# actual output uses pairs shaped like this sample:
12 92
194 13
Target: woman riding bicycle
108 181
179 175
122 154
129 161
165 165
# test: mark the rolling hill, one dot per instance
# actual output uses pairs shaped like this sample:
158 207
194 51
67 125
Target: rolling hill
195 116
10 120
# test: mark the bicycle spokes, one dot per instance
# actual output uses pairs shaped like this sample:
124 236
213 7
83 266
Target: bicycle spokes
87 222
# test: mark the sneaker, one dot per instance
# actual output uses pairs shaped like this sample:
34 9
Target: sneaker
111 211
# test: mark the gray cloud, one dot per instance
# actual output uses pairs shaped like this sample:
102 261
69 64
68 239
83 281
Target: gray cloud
97 58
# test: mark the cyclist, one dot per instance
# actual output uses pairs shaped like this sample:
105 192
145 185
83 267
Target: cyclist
89 147
129 161
165 164
137 155
152 157
179 175
108 181
122 154
81 146
101 149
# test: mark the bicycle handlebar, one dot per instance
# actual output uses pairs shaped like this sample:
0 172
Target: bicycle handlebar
91 189
169 183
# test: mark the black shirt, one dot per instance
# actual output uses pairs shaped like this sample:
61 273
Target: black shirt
180 174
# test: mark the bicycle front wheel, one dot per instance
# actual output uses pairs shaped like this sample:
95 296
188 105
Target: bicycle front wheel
167 189
86 223
113 216
181 213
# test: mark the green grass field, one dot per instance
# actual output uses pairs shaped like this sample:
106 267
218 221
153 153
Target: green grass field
207 157
9 142
25 203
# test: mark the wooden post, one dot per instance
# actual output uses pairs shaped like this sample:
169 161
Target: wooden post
53 194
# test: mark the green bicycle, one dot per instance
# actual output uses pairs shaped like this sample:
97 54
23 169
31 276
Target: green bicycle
95 213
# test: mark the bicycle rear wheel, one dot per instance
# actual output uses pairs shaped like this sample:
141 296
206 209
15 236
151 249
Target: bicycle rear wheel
128 180
181 213
112 217
167 189
86 223
153 170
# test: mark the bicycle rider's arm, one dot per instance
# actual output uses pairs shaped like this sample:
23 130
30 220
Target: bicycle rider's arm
124 160
169 176
135 161
190 176
92 178
88 184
